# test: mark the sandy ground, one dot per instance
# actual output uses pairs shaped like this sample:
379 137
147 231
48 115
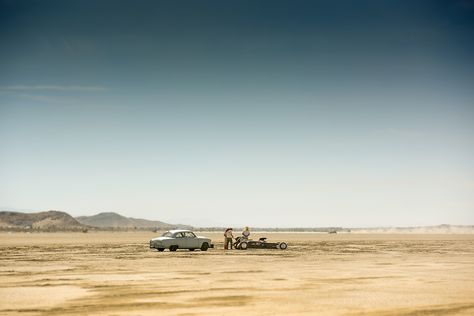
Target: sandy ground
319 274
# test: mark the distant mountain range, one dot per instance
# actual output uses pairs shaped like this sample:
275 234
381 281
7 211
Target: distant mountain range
61 221
114 220
42 221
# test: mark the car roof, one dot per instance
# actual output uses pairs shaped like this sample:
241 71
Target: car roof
174 231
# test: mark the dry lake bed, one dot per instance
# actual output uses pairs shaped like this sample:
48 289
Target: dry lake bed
102 273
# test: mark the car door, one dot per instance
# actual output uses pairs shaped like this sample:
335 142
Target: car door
180 240
191 240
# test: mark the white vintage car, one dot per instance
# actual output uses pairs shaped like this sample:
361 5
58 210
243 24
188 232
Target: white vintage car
180 239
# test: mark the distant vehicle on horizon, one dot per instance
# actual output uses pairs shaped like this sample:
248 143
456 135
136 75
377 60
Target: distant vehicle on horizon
180 239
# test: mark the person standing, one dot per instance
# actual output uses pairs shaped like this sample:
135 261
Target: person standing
228 238
246 233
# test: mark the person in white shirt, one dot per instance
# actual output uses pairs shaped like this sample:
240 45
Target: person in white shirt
229 237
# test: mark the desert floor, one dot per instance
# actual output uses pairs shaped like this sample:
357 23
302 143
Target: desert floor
319 274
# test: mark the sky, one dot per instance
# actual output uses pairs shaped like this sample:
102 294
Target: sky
232 113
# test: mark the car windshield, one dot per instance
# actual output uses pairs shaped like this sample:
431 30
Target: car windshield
167 234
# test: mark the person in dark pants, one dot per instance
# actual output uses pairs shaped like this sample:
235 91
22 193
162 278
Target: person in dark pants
229 237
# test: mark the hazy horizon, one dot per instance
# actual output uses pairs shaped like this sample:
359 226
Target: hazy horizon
258 113
12 209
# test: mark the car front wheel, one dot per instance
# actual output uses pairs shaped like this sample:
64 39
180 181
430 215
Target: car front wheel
283 245
243 245
204 246
161 249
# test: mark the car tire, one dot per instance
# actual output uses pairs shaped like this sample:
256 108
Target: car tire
191 249
243 245
161 249
204 246
173 248
282 246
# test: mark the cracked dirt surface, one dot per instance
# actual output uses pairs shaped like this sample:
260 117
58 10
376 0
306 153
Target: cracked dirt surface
319 274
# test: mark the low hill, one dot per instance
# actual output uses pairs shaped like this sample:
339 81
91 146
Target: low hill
114 220
42 221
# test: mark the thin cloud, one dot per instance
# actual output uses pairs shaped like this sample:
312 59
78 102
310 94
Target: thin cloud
46 98
53 88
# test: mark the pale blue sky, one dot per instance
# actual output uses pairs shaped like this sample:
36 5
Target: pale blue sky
270 114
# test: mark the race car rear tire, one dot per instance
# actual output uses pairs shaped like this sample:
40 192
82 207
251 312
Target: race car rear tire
243 245
282 246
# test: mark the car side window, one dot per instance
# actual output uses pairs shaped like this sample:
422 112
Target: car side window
179 235
190 235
